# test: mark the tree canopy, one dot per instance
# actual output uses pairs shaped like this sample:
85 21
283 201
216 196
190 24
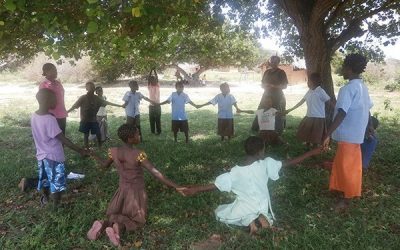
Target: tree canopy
123 36
315 29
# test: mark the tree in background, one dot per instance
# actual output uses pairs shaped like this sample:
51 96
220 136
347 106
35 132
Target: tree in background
316 29
123 36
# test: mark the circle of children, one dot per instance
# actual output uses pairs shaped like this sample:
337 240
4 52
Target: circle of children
249 182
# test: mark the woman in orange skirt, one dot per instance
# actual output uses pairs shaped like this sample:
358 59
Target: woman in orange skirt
348 129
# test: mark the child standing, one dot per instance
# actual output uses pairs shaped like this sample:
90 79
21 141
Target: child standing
128 207
89 105
49 141
312 128
132 100
51 82
225 115
249 182
154 110
348 129
178 101
101 116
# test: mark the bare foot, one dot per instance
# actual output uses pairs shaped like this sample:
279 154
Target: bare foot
253 228
263 221
212 243
342 205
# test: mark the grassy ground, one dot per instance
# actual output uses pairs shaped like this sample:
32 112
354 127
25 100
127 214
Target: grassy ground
301 201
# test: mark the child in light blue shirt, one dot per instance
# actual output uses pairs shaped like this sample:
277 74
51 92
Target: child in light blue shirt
225 102
178 101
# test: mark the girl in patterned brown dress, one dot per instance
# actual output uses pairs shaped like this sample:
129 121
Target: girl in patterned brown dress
128 207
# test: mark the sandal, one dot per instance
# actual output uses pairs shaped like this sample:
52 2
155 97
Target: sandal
95 230
112 236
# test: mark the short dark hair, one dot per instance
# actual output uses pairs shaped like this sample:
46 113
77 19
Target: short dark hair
133 82
90 83
126 131
225 84
316 78
180 83
356 62
99 88
253 145
48 66
43 94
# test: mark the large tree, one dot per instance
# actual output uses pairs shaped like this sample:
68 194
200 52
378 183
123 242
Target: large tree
123 36
316 29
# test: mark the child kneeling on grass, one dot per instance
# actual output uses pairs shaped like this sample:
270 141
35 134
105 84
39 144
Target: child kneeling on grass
49 141
249 182
128 207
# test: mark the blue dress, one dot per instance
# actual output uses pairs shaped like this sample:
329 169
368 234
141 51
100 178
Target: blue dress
250 185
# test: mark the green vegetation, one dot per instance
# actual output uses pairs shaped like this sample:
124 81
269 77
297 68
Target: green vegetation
301 201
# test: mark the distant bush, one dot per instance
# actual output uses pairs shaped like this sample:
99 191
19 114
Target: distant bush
69 71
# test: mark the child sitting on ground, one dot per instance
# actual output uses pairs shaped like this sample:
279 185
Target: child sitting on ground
178 101
132 100
128 208
312 128
249 182
49 141
89 105
225 115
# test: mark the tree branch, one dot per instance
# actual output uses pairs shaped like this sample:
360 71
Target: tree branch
339 8
354 29
321 10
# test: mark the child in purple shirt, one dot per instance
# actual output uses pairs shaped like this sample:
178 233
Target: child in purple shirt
49 141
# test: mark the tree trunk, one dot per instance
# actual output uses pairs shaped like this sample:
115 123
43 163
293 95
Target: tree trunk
317 55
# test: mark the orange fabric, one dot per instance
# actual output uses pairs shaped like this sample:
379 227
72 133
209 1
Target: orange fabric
346 174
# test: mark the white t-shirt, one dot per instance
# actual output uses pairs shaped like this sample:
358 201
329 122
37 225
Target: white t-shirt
266 119
354 99
315 99
224 105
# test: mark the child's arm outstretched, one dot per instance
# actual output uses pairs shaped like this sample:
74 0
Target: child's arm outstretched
158 175
61 137
238 110
113 104
150 101
302 157
103 163
203 105
76 105
192 190
164 102
295 106
194 105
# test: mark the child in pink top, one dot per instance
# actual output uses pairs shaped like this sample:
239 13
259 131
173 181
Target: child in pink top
50 82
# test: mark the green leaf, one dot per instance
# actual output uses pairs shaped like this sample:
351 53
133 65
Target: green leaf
10 5
92 27
1 23
136 12
91 1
